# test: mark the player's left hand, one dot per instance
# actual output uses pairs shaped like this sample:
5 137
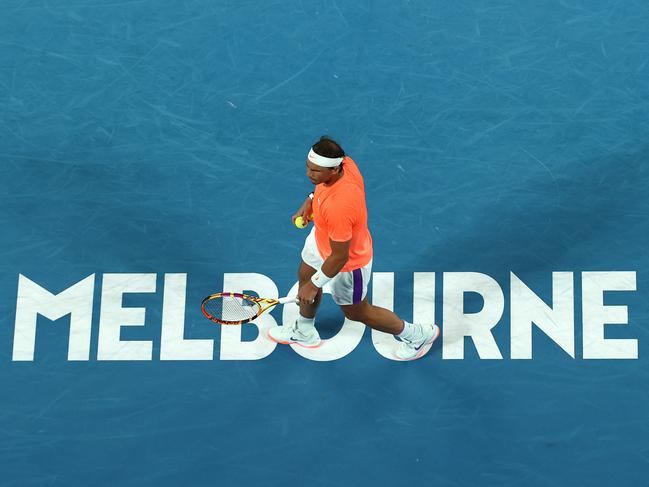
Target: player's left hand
307 293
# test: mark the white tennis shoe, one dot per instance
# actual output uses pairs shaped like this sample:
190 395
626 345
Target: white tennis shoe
290 334
414 349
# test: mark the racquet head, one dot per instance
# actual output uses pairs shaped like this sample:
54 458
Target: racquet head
234 308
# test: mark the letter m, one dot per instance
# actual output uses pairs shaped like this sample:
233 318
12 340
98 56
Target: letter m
33 300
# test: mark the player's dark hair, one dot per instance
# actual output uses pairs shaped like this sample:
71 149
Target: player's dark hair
327 147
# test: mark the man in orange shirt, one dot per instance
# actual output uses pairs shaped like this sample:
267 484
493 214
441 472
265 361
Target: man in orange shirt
339 250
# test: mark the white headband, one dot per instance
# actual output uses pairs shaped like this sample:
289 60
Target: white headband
324 161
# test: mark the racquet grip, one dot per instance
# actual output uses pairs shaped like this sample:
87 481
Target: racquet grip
288 299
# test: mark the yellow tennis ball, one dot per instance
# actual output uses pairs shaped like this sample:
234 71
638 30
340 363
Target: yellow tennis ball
300 222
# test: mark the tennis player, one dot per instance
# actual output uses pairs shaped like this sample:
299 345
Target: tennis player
339 251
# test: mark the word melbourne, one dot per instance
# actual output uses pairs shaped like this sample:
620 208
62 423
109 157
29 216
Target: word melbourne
528 314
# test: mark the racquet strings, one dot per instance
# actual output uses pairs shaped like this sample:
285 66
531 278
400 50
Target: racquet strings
232 308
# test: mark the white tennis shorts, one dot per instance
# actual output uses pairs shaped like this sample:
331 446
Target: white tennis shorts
346 287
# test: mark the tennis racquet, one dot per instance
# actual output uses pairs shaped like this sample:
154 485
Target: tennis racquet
237 309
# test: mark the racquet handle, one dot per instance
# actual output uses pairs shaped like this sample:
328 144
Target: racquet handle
288 299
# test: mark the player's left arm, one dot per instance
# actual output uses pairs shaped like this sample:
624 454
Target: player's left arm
331 266
338 258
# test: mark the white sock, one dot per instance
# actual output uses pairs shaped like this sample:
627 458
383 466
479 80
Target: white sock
411 332
306 326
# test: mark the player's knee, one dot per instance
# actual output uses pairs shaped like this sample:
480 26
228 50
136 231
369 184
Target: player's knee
355 313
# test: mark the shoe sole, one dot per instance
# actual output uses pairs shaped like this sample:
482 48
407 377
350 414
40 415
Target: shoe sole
424 348
268 335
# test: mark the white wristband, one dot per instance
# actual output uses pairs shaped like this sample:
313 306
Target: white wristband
319 279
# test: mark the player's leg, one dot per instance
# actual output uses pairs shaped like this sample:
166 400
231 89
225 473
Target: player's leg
304 275
373 316
416 339
303 331
349 292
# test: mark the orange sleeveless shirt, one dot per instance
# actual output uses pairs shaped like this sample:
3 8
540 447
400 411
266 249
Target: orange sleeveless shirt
340 214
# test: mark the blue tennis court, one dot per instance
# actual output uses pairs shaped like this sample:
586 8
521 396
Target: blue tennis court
153 153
